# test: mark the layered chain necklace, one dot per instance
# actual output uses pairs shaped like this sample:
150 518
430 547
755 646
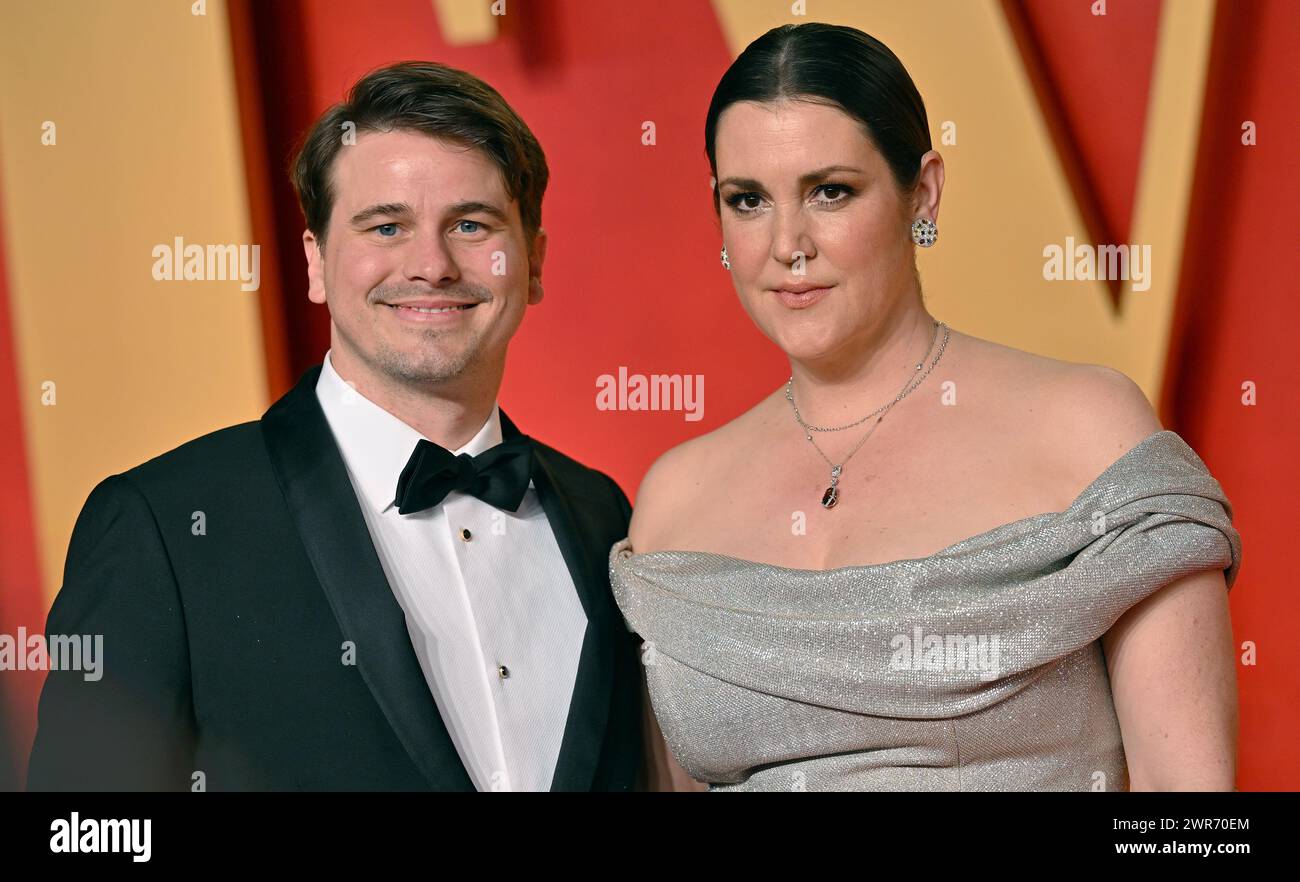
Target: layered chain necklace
832 494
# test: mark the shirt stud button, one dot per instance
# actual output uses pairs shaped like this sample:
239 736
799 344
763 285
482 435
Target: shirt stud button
503 672
466 535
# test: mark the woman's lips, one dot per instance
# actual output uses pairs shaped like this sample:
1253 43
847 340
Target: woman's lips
800 299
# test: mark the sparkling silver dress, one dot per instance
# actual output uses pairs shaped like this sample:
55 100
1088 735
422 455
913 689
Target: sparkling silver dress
979 667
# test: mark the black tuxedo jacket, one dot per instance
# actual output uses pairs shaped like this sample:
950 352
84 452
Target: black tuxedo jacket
223 646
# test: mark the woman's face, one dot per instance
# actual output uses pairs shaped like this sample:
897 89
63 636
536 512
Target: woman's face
816 231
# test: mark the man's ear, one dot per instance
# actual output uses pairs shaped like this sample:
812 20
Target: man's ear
315 267
536 256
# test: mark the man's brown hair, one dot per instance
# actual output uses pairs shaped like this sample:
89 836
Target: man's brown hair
439 101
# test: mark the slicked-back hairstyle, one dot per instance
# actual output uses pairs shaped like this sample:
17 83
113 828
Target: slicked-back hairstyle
835 65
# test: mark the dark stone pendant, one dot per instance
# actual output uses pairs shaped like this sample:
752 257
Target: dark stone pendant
830 497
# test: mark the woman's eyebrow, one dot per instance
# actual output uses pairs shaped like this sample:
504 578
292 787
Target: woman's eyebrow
821 174
742 183
812 177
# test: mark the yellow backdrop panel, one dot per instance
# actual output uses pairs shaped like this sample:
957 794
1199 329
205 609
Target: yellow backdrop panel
146 148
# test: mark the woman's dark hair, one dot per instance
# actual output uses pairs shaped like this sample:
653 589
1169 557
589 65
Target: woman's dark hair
439 101
836 65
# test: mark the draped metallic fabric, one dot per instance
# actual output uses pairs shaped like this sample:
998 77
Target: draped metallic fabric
978 667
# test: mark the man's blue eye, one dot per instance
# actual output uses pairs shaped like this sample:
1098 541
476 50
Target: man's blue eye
391 227
460 226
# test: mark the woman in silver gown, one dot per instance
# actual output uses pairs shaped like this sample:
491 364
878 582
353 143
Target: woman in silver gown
801 631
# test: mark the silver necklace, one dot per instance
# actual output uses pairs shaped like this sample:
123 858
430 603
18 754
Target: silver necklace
832 494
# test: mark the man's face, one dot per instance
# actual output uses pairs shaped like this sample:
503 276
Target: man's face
425 266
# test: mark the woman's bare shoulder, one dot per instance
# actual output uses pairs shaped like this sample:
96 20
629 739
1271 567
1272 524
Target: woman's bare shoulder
990 361
1086 415
681 474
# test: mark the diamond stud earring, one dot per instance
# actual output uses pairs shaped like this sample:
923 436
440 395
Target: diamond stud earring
924 232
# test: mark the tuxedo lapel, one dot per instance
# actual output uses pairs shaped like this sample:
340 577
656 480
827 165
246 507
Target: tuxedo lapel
584 732
324 506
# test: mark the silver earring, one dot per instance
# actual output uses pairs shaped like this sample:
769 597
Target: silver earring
924 232
726 264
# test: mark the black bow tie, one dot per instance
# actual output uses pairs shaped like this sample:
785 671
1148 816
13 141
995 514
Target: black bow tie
498 476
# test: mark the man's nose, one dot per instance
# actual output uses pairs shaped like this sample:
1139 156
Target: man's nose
429 259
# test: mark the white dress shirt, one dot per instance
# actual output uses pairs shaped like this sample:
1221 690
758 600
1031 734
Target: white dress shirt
490 606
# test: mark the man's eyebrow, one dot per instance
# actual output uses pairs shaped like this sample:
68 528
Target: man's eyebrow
812 177
384 209
478 208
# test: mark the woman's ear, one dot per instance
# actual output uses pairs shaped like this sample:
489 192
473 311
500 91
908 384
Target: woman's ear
315 267
929 187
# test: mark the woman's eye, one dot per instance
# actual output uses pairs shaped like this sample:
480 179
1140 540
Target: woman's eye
834 193
745 202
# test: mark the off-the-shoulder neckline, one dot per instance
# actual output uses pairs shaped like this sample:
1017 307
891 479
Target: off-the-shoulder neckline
628 555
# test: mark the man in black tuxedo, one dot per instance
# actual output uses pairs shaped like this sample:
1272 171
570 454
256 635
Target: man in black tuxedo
382 584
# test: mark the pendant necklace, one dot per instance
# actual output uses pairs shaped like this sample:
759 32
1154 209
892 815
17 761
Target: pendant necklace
832 494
